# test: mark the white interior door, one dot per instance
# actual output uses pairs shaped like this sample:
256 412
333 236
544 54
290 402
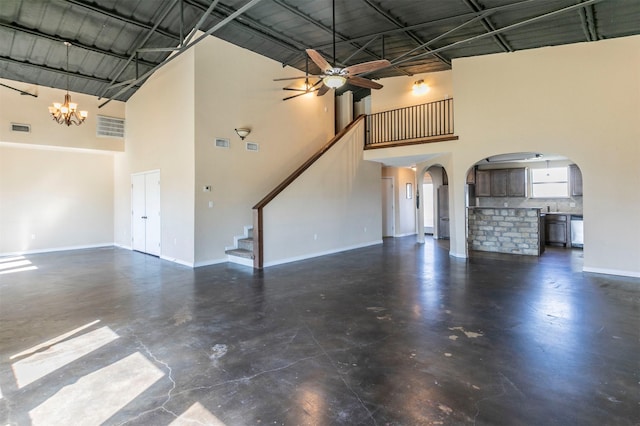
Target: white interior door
138 210
145 212
152 197
388 217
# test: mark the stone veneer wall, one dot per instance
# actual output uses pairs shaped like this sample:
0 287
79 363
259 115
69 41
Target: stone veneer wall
514 231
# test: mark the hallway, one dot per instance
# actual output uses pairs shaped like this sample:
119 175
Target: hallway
398 334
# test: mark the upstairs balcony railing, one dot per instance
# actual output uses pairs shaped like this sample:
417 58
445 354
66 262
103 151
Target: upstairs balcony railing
411 123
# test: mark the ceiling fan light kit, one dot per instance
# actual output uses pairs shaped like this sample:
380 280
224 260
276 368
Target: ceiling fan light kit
334 77
334 81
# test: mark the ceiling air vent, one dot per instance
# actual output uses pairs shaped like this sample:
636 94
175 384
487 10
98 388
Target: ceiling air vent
222 143
24 128
110 127
252 146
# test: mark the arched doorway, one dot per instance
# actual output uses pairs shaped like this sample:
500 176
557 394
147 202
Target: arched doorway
507 191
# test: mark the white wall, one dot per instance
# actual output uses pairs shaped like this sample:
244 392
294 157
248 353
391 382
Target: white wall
160 135
334 206
56 182
54 198
554 100
234 88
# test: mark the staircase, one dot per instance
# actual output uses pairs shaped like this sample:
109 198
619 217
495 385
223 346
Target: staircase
242 252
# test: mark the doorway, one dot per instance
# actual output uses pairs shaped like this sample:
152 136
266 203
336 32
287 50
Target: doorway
428 203
388 207
145 212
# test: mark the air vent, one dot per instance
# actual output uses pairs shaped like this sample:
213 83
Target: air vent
110 127
252 146
222 143
24 128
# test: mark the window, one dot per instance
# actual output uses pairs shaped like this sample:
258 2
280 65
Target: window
552 182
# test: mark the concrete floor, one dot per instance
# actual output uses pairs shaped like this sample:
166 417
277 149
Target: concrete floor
395 334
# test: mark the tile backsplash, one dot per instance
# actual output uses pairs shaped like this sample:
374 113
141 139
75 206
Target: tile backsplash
565 205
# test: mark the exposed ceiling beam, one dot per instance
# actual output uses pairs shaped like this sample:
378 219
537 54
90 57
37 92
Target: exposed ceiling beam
114 15
486 23
20 28
253 26
134 53
56 70
587 19
323 27
497 31
456 18
184 48
393 20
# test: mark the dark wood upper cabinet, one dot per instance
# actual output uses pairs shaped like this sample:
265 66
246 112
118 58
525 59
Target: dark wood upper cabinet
576 180
483 183
499 183
517 183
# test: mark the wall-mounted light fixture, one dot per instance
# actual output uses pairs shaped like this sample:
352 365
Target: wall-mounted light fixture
242 132
420 88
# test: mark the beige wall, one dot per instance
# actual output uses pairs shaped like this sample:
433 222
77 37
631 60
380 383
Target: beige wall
397 92
54 198
160 134
234 88
555 100
405 212
23 109
56 182
334 206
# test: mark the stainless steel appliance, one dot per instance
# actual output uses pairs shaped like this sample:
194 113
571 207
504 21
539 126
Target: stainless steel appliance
577 231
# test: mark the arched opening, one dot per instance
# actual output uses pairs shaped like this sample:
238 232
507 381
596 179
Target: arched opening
434 203
524 203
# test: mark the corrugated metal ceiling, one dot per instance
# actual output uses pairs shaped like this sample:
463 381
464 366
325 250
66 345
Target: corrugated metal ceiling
115 42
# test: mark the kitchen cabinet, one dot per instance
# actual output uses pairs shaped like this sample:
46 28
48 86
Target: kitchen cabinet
517 184
575 176
501 183
483 183
557 229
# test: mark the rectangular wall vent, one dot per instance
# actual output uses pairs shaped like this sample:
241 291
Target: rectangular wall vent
24 128
252 146
222 143
110 127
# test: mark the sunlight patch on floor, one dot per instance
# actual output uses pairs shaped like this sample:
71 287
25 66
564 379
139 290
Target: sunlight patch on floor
197 415
53 341
96 397
10 265
38 365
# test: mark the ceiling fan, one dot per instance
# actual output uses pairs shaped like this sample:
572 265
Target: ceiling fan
334 77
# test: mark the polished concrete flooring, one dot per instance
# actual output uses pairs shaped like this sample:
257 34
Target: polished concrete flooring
394 334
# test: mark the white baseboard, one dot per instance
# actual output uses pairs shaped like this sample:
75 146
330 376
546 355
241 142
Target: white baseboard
404 235
54 249
633 274
123 246
209 262
458 255
322 253
178 261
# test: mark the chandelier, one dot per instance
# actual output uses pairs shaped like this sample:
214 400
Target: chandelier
67 113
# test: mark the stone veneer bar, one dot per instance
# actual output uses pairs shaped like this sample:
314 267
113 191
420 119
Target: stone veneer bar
506 230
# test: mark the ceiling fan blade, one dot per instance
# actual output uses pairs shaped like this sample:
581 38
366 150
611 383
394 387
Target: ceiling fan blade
319 60
294 96
367 66
363 82
296 78
322 90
